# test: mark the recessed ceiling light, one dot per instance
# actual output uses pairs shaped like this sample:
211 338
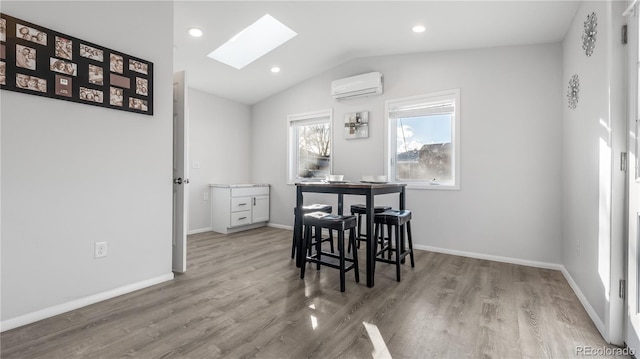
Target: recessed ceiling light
419 28
195 32
259 38
275 69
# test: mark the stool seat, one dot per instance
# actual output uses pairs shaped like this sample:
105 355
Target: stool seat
362 209
316 207
330 221
393 216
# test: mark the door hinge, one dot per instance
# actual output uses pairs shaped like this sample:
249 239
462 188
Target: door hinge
623 288
623 161
624 34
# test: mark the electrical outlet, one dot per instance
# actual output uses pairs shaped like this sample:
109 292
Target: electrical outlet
205 196
101 249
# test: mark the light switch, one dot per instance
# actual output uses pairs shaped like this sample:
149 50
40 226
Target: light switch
195 164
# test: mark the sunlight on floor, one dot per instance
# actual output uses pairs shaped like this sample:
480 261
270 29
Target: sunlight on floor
314 320
380 350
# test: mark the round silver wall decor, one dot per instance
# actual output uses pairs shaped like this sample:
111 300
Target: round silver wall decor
589 34
573 91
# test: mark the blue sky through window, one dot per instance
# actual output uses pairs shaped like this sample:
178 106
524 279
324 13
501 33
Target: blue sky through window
419 131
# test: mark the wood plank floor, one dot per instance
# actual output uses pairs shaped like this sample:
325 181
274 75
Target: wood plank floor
242 297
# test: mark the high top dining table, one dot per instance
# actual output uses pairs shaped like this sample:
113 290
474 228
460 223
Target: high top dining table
369 190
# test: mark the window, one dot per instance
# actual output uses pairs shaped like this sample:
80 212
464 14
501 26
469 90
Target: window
423 142
309 146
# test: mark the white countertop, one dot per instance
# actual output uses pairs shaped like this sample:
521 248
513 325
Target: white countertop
239 185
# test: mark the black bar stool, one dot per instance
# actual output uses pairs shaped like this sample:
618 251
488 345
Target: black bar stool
396 221
325 208
361 210
332 222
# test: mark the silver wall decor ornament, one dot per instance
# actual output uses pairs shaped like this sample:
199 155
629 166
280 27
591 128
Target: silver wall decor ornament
573 92
589 34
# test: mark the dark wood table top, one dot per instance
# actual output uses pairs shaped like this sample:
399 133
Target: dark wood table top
351 184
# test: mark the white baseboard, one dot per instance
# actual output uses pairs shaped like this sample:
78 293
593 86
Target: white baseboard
280 226
79 303
583 300
523 262
585 303
201 230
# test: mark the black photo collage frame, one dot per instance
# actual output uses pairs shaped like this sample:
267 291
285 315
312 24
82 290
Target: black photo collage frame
39 61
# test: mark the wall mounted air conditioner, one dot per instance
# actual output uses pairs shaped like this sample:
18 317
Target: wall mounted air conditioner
368 84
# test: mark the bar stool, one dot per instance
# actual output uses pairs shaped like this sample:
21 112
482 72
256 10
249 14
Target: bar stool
361 210
396 221
325 208
332 222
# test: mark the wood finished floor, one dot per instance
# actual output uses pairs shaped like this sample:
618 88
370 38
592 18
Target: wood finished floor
242 297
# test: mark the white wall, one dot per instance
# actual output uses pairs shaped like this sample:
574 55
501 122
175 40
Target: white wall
219 139
74 174
593 136
511 98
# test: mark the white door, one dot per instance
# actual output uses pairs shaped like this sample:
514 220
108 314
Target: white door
632 333
180 173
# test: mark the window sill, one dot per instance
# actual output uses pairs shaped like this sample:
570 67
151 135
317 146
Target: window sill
300 180
433 186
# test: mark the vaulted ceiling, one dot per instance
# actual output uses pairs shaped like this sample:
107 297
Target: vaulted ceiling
333 32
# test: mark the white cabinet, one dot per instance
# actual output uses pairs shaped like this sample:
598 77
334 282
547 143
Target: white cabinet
239 207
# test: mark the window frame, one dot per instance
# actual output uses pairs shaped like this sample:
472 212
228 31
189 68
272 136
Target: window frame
293 154
391 139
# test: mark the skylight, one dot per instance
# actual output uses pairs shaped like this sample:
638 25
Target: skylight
253 42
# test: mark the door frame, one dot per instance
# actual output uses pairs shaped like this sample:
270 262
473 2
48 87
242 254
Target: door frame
632 317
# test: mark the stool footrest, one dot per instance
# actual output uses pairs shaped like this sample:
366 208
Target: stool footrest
392 261
331 260
386 249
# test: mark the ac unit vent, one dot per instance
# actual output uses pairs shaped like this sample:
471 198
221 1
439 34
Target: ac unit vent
368 84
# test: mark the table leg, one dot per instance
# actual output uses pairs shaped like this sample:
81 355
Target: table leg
297 227
402 230
371 245
340 203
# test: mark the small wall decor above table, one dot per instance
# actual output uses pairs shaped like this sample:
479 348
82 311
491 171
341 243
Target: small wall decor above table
356 125
38 61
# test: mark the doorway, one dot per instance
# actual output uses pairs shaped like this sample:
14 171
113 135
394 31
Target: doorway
180 173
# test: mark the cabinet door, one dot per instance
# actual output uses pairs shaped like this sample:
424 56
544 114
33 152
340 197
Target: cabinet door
260 211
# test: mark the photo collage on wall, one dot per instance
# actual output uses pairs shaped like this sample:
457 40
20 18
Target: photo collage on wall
39 61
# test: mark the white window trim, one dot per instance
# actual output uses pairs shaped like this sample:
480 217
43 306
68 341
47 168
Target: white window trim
306 118
391 142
